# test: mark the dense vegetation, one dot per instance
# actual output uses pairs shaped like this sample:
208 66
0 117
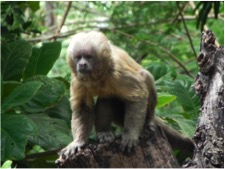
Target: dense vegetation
35 114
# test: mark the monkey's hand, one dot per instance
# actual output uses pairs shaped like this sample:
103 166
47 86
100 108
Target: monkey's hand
105 137
71 149
128 144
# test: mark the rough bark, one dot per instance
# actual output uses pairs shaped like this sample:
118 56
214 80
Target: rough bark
209 85
152 151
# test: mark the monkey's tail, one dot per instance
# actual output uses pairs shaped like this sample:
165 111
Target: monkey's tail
176 139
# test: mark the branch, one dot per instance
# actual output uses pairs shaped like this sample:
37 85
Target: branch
186 29
64 17
42 154
85 9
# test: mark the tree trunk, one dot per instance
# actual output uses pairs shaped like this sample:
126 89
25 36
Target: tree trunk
209 85
152 151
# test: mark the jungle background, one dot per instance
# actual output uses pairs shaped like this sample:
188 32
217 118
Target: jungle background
164 37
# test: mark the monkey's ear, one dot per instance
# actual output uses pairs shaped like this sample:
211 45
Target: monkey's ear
106 50
71 63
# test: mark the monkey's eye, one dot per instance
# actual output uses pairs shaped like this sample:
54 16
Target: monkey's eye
78 57
88 57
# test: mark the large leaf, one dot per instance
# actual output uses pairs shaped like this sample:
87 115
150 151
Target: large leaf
47 96
53 133
187 126
182 88
164 99
7 87
42 59
62 110
15 57
7 164
20 95
15 130
159 70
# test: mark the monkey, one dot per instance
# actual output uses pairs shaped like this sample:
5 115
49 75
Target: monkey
126 93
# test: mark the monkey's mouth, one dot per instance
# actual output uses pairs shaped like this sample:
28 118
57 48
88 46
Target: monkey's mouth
84 71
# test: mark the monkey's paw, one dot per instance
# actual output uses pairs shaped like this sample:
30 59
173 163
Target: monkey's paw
105 137
71 149
128 145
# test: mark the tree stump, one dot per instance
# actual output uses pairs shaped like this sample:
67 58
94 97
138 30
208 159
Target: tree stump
209 85
152 151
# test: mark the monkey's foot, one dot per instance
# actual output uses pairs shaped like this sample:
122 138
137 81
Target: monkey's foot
71 149
128 145
105 137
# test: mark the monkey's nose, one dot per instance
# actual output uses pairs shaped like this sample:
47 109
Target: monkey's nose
83 65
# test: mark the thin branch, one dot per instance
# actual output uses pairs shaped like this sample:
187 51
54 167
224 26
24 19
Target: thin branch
92 11
183 8
42 154
186 29
64 16
210 16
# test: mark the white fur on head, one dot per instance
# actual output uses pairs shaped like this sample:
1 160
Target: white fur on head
89 41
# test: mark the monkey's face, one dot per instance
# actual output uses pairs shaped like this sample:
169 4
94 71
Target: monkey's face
89 55
84 62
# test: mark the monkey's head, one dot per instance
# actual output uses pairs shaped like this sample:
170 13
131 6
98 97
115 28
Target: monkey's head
89 55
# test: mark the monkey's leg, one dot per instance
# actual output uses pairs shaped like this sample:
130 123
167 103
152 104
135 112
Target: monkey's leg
135 115
104 111
152 100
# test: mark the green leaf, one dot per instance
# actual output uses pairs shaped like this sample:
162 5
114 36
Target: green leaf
164 99
216 9
160 70
7 164
15 130
50 93
179 122
15 57
53 133
62 106
187 126
32 64
182 89
8 86
42 59
20 95
34 5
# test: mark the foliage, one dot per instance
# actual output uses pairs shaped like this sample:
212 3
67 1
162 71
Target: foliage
35 77
205 10
7 164
28 116
14 21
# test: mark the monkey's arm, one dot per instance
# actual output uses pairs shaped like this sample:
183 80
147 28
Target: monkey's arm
82 118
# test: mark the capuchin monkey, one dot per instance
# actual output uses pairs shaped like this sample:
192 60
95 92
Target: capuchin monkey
126 94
